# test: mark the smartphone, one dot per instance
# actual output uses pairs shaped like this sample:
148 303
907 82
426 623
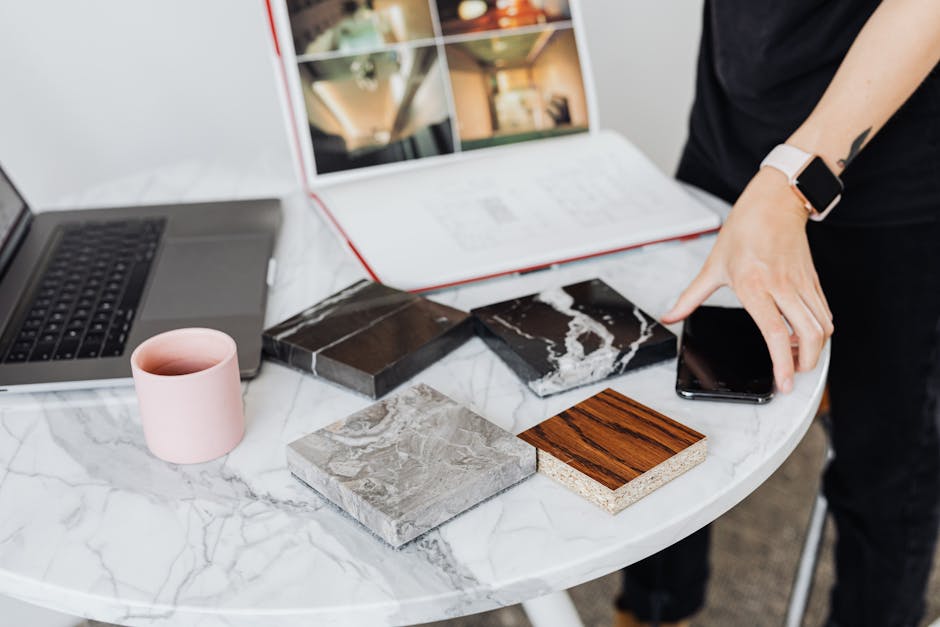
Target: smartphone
724 357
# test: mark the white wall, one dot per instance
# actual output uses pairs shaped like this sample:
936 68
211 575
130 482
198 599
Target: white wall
107 101
644 53
111 102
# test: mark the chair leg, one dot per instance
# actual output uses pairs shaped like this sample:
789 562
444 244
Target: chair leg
806 572
809 557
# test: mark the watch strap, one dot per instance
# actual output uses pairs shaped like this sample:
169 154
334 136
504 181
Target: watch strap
791 161
788 159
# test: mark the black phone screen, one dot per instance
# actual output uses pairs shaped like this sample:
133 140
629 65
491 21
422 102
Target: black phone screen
724 356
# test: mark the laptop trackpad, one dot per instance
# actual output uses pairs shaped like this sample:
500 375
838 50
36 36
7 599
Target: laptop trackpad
208 277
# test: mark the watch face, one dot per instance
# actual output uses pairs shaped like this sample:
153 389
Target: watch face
818 184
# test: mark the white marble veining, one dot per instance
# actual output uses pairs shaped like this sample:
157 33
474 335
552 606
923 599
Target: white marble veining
573 367
315 313
93 525
410 462
601 336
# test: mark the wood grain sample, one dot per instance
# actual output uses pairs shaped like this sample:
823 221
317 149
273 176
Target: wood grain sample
614 450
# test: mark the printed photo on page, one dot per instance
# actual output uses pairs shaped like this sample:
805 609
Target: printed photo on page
387 81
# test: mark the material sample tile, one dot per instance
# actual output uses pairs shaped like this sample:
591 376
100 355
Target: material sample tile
614 451
410 462
570 336
368 337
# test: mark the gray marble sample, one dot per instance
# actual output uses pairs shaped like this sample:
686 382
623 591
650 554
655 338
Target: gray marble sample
368 337
410 462
570 336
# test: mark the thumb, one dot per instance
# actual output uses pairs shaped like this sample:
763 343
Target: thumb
701 287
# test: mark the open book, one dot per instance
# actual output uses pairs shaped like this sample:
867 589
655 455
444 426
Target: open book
455 140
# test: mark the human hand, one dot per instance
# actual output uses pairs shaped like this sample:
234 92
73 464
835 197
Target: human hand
762 253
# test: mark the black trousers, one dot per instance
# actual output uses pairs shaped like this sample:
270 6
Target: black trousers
883 486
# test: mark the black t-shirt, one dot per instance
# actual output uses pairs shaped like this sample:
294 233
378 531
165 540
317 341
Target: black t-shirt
763 66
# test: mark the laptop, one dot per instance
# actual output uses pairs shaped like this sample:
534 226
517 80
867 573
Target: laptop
79 290
476 124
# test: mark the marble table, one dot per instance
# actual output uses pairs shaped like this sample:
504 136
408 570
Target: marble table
93 525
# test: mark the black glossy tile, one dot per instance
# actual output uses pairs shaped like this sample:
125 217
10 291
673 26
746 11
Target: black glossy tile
368 337
570 336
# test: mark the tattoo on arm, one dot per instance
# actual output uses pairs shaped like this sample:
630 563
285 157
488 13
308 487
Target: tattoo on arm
855 149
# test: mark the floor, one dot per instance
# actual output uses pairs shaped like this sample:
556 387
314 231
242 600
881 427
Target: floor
755 551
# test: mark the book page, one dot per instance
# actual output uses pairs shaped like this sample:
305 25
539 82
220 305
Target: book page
514 209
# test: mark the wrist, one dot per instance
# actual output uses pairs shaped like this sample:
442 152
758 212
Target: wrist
779 196
813 142
818 188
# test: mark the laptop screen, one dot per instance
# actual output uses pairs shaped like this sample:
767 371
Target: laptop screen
386 81
13 211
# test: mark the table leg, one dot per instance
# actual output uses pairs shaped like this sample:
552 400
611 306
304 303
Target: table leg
552 610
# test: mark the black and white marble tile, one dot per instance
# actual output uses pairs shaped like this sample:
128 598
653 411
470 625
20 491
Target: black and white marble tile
368 337
566 337
410 462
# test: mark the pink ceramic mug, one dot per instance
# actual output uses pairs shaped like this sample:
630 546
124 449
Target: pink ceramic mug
189 393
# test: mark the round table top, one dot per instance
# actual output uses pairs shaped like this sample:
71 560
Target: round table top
93 525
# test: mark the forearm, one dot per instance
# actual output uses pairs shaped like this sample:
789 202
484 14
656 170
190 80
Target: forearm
893 53
762 251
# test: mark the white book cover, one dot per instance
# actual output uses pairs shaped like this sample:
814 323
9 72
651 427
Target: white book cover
455 140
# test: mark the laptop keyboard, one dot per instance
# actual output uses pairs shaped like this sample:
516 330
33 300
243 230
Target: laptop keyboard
89 292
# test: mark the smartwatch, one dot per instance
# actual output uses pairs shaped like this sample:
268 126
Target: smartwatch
812 181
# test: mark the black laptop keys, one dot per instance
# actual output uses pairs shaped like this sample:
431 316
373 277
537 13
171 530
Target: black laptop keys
85 301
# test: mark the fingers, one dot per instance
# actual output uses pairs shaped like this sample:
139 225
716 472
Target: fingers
808 329
815 303
772 326
701 287
814 299
822 296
